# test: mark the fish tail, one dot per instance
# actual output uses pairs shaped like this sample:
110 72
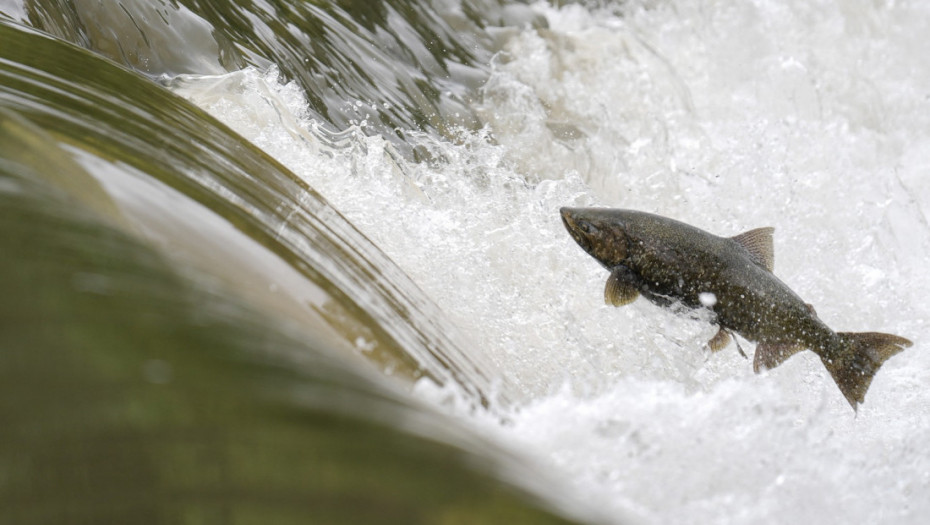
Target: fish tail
855 359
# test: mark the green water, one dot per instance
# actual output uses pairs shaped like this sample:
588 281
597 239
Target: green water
397 65
146 379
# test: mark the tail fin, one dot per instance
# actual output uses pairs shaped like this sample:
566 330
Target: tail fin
857 358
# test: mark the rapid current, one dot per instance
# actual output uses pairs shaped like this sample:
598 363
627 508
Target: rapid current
400 205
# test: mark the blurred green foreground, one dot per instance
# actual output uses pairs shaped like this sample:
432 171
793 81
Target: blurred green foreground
135 388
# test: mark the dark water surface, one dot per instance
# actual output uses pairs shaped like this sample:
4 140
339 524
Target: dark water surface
398 65
188 333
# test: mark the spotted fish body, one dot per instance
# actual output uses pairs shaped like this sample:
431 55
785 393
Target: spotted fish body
670 262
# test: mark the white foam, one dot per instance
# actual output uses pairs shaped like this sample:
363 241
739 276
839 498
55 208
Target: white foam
808 116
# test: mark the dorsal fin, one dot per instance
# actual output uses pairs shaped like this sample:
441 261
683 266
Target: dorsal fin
758 243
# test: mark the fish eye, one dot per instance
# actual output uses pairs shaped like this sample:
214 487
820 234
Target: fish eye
587 227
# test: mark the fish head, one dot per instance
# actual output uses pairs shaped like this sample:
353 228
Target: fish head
600 232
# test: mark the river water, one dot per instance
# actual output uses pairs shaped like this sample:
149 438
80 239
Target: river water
402 206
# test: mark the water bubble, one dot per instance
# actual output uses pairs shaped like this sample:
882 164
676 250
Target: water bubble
707 299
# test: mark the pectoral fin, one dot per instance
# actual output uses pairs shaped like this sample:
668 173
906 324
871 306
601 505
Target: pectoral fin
758 243
770 355
619 292
719 341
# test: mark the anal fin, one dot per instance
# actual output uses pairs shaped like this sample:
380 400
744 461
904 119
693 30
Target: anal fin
770 355
619 292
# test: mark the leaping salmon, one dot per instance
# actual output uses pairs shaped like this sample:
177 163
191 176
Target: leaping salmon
667 262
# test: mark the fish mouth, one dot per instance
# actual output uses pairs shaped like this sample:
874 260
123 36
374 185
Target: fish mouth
571 224
567 220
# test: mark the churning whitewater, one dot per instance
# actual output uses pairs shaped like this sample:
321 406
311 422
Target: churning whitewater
812 117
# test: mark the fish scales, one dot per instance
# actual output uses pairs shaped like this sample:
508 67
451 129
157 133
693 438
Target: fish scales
676 261
669 262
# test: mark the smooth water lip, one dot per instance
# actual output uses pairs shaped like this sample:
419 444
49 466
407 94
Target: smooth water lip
189 233
712 117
